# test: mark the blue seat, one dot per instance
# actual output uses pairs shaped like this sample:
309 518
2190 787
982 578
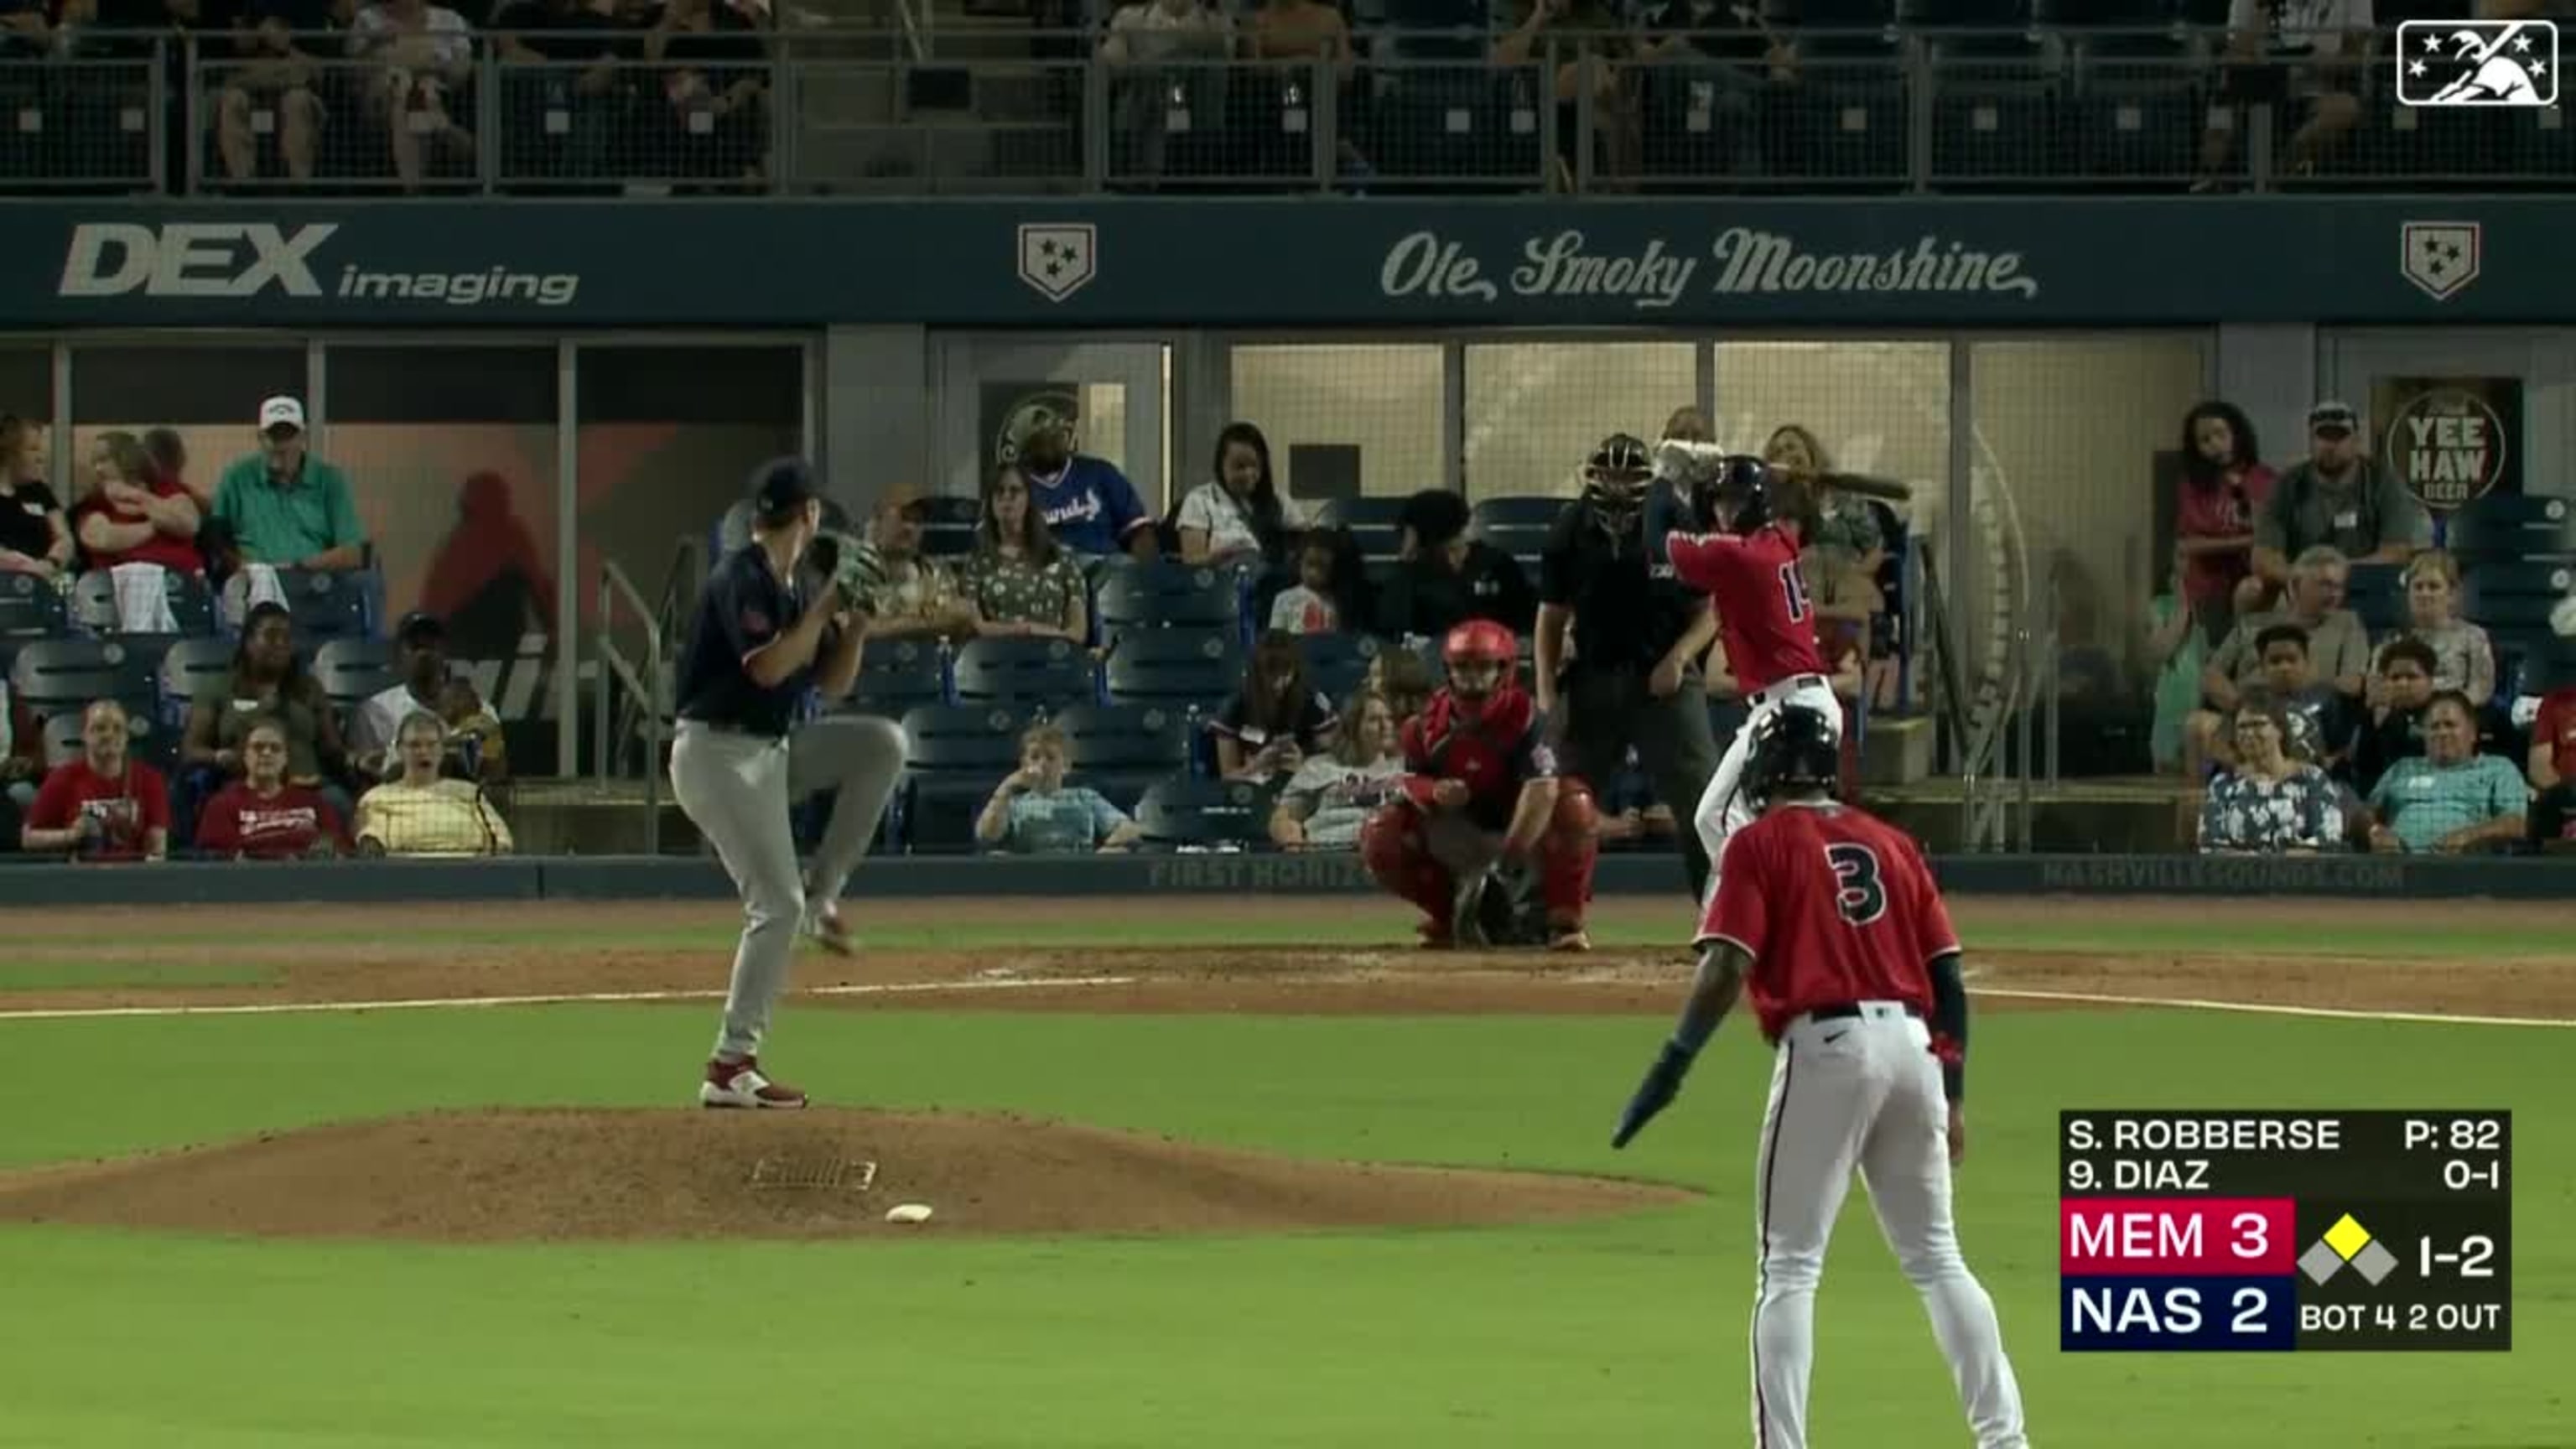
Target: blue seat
895 675
2513 529
353 671
190 668
959 753
1174 667
31 608
948 525
2515 597
192 604
1517 526
1168 595
2376 592
1184 813
1053 672
66 674
328 605
1357 513
1119 750
1339 663
2548 664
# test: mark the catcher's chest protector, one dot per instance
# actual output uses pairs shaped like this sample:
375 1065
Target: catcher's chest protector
1474 749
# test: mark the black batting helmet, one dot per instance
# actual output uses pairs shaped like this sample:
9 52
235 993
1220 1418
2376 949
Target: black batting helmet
1795 750
1736 495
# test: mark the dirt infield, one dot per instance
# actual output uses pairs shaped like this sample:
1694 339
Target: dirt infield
557 1176
379 954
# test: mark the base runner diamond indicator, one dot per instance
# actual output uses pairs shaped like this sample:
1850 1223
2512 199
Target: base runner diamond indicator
2347 1237
2320 1262
2375 1263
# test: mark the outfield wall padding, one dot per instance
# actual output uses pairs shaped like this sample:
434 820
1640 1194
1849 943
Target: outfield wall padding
31 885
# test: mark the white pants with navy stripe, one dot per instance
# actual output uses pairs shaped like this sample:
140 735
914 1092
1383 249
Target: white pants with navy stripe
1864 1093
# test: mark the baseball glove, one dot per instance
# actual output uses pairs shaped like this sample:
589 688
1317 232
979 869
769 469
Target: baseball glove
855 567
1496 908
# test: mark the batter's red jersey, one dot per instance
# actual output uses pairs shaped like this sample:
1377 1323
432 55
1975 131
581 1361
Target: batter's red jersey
1834 905
1493 751
1762 608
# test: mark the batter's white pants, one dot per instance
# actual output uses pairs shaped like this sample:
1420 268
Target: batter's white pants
1864 1092
738 790
1722 809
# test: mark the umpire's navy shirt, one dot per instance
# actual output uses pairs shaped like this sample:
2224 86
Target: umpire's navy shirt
1628 611
745 606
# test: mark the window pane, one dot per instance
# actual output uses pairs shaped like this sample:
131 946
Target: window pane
1536 410
2068 432
209 395
668 438
1327 402
451 452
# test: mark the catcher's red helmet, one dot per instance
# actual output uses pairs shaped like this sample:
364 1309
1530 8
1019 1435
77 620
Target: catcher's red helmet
1480 655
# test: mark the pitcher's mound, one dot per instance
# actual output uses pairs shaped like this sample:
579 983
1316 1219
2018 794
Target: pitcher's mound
563 1175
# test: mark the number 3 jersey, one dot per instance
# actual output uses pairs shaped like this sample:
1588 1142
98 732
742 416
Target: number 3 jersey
1762 609
1834 905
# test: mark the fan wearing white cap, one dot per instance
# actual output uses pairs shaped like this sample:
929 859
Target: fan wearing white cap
286 508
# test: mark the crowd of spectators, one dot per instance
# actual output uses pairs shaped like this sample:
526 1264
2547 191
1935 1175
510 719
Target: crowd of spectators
209 727
1672 92
1312 628
2299 725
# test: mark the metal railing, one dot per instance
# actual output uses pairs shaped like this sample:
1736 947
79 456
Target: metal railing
895 109
641 715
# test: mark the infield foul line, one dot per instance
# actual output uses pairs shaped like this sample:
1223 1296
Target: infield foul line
2331 1013
585 998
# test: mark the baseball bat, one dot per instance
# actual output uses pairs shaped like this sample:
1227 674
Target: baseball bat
1868 485
1676 456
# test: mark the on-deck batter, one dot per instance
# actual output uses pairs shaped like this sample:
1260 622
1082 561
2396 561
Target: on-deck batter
1829 918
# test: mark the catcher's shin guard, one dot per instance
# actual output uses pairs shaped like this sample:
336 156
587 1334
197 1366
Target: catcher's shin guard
1398 857
1567 854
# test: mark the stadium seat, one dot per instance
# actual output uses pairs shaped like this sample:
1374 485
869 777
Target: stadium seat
31 608
948 525
2512 529
2376 592
1174 667
1054 673
2515 597
190 668
1338 663
53 675
2549 664
1168 595
1184 813
1120 750
1517 526
353 671
895 675
327 605
192 604
1357 513
959 753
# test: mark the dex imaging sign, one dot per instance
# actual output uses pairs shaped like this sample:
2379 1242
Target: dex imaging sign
220 261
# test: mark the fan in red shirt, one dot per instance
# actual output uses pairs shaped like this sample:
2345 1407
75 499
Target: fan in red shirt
1829 918
134 513
262 817
2223 486
104 805
1751 521
2552 768
1480 789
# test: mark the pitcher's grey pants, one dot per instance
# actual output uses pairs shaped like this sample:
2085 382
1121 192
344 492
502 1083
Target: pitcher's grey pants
739 791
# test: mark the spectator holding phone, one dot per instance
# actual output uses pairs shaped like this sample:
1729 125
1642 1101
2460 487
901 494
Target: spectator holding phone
1278 718
106 805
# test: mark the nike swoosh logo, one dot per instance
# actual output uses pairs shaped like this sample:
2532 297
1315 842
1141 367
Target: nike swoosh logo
1837 1036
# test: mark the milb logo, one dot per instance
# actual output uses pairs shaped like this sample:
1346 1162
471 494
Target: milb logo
233 260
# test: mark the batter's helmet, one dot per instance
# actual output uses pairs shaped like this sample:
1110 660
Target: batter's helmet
1795 750
1473 647
1735 495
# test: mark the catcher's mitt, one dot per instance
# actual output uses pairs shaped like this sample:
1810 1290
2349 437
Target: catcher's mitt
1497 907
852 563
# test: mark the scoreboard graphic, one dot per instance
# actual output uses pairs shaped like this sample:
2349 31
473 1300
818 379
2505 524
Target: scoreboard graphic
2263 1231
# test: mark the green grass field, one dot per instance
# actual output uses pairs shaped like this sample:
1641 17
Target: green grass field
1620 1332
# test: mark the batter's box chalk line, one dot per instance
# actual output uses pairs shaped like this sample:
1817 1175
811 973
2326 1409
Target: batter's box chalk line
2258 1008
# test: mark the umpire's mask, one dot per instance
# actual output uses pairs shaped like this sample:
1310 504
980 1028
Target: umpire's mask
1615 482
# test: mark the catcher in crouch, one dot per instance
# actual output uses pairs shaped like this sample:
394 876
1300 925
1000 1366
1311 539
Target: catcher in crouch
1482 821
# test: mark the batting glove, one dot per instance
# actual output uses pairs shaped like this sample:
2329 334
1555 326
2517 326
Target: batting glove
1663 1083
